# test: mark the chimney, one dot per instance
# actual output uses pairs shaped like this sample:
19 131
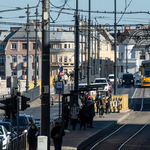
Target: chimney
127 28
101 26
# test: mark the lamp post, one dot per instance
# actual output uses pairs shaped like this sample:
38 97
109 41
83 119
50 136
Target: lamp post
115 56
36 46
28 31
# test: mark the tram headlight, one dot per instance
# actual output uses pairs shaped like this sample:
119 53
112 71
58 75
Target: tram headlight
123 80
131 80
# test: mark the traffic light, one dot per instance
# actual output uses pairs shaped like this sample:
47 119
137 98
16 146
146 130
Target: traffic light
24 104
10 106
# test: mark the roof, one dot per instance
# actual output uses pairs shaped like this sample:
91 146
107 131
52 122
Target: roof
4 36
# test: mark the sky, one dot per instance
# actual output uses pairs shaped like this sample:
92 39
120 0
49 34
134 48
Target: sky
66 16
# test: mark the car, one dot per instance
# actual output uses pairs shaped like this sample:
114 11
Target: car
32 120
7 125
128 79
24 123
110 85
111 78
82 85
4 136
103 82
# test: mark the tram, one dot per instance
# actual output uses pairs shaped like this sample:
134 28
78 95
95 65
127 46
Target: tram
145 73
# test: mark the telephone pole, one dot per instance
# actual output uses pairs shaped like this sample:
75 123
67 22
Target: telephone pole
45 90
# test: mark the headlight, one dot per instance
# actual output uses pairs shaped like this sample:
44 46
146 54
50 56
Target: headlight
123 80
131 80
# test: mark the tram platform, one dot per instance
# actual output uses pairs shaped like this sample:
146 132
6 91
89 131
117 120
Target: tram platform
76 139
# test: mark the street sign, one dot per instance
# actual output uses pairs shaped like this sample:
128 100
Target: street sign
61 74
61 69
59 85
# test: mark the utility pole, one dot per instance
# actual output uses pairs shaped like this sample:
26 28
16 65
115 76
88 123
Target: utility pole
95 50
36 47
28 31
98 46
92 51
115 56
76 51
82 47
89 47
85 66
126 59
45 90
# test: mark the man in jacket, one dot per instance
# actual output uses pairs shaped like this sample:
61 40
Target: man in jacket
57 141
74 111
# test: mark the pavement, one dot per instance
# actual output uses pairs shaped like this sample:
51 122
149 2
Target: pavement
75 140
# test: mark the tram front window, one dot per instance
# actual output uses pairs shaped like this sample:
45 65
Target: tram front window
147 73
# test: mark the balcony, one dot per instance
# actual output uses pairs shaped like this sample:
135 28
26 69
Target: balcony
24 77
24 65
14 65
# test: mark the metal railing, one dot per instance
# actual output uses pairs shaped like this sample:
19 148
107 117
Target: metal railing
32 94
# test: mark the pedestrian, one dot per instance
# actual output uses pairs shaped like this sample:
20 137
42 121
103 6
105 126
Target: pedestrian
108 98
65 78
91 112
56 134
74 111
66 116
97 100
102 107
32 137
83 115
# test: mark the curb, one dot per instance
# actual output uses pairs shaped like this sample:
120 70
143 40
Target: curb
94 137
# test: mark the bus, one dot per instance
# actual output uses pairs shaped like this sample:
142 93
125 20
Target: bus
145 73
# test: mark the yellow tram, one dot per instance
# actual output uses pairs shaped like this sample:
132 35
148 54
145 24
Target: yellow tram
145 73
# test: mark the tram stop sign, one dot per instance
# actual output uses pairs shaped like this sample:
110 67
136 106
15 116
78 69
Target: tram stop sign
61 74
59 85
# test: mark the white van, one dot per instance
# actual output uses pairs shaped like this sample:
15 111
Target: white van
111 77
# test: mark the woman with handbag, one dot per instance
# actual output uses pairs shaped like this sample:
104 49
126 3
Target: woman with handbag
56 134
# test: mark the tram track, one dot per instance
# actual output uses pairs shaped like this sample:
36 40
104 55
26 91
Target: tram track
123 135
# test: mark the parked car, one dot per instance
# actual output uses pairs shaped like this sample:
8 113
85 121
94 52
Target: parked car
23 123
7 125
110 85
4 136
103 82
111 77
32 120
128 79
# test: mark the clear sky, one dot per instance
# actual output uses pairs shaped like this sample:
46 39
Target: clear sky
66 19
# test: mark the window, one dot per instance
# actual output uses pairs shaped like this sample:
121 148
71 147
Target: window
65 70
24 46
65 45
2 72
121 55
2 61
68 45
14 59
121 68
51 46
106 60
65 58
14 72
58 46
73 46
13 46
59 58
2 46
24 72
37 58
70 59
34 45
24 58
70 70
106 47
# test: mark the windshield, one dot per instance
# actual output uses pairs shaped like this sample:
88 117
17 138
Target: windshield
111 77
147 72
100 81
30 119
6 125
128 76
22 121
1 131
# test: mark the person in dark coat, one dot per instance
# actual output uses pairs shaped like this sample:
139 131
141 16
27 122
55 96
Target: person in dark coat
102 106
32 137
83 115
91 112
108 104
66 115
57 130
